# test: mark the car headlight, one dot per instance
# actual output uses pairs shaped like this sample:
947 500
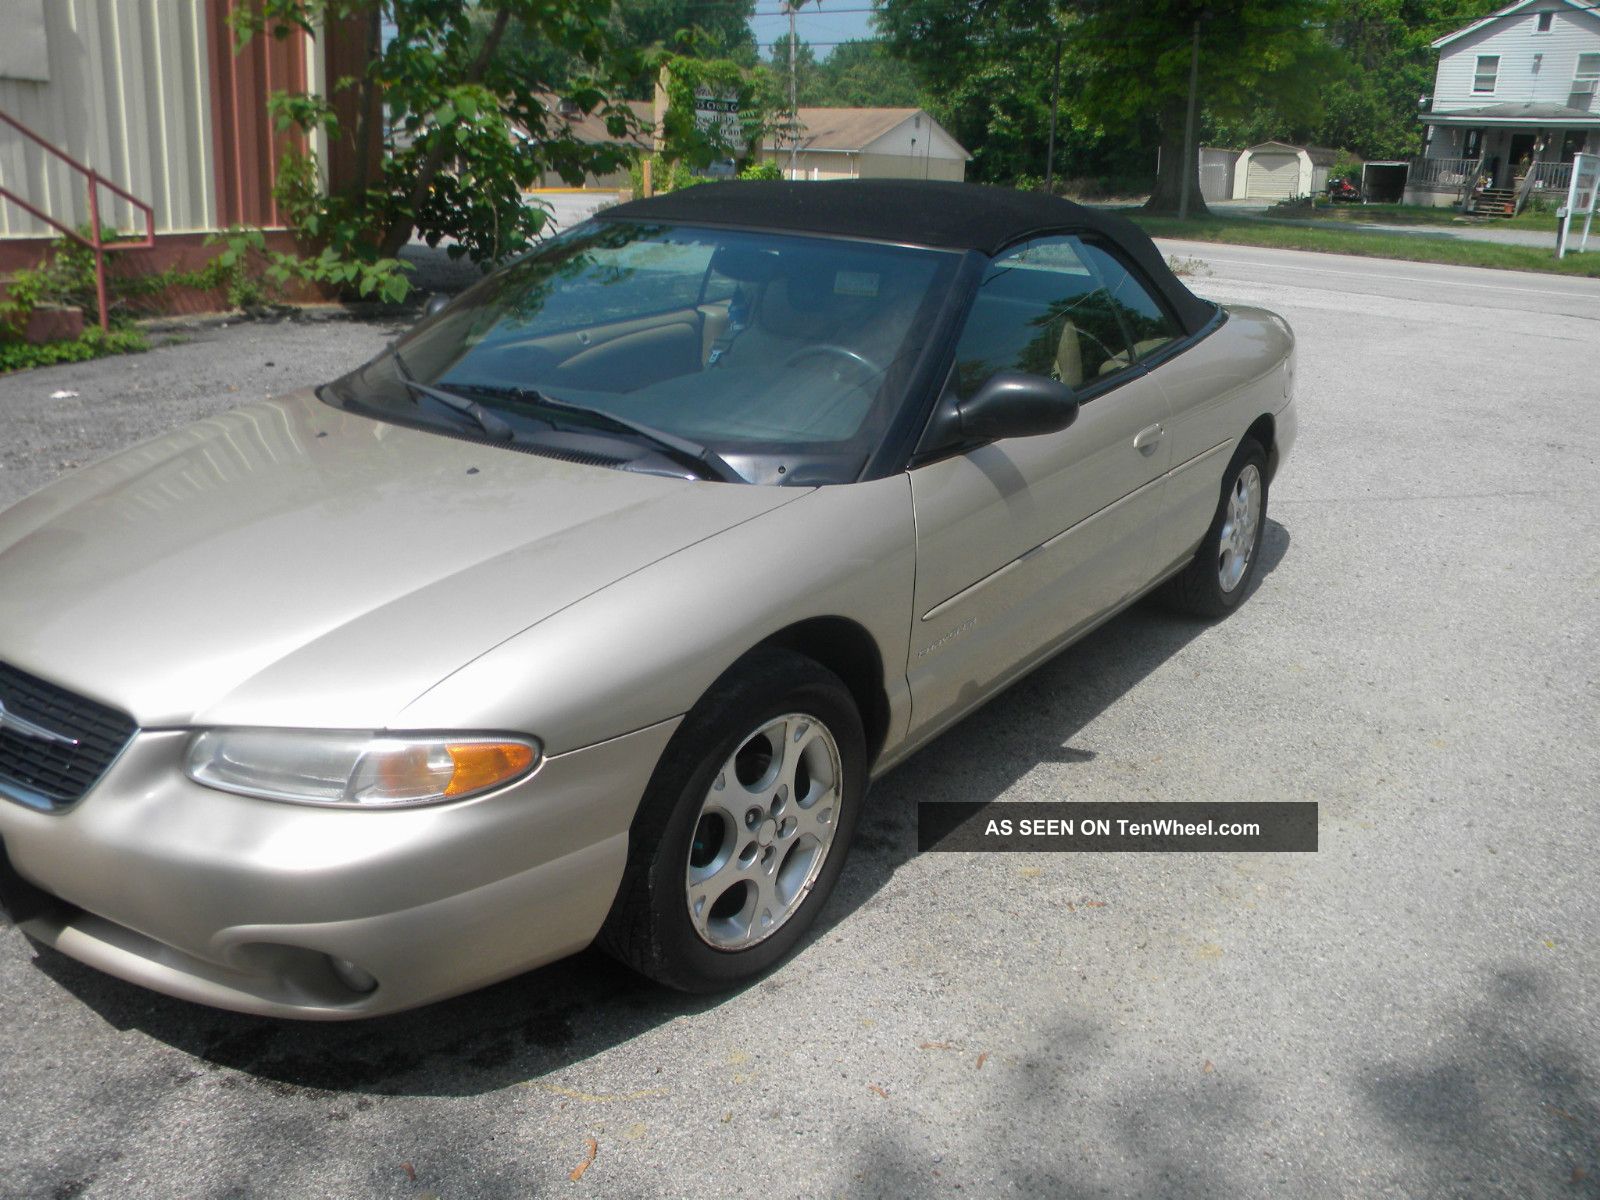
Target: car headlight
356 770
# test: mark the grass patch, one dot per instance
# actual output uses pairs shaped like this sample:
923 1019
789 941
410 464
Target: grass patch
17 355
1249 232
1420 214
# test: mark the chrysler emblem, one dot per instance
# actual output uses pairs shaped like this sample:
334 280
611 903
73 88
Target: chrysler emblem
11 721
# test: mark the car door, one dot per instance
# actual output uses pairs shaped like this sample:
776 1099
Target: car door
1023 542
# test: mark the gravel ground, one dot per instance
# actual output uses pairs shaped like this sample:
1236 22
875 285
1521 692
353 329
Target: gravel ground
199 369
1410 1011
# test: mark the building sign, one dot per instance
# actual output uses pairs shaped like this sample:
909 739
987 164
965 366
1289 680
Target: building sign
1583 196
716 115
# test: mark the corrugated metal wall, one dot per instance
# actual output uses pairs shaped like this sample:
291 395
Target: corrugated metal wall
246 145
129 95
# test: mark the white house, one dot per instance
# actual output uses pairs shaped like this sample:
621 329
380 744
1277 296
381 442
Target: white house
869 143
1513 100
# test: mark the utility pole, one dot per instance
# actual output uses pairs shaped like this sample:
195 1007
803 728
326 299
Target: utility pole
1187 166
1055 98
794 111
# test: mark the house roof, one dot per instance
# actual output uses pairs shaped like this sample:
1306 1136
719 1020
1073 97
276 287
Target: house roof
591 127
1515 114
851 129
954 216
1586 6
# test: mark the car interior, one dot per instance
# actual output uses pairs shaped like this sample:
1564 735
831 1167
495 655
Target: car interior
759 345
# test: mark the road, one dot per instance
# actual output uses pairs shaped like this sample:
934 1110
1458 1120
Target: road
1410 1011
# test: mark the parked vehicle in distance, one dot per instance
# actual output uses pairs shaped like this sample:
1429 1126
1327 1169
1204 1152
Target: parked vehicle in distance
1344 191
588 610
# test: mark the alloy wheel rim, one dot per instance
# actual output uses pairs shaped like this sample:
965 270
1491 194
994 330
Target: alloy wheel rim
763 832
1240 521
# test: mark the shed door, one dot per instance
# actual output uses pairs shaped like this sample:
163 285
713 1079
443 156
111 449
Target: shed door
1273 176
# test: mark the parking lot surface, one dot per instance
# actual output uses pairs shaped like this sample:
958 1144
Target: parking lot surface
1410 1011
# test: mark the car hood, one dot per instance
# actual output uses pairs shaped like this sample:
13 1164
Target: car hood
292 564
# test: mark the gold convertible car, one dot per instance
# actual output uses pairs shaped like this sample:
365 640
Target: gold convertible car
588 610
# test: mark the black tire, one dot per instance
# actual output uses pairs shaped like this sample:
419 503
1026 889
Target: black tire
1198 590
649 926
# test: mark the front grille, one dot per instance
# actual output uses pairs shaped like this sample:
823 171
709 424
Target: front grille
43 772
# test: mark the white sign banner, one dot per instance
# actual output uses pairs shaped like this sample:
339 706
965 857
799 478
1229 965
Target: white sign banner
1583 196
716 114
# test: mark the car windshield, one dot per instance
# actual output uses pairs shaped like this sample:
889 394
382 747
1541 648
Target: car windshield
774 358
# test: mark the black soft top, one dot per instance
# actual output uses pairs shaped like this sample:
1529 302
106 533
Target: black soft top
951 216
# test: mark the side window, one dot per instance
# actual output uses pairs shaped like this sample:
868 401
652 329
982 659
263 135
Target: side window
1058 307
1147 325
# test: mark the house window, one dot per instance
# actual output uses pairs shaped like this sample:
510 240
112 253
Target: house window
1546 19
1488 67
1585 82
1472 144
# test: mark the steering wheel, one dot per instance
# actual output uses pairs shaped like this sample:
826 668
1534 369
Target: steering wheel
855 357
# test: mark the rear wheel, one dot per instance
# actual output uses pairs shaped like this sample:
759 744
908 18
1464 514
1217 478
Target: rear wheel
1219 577
744 827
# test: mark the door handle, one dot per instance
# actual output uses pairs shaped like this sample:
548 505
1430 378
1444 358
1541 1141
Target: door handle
1146 439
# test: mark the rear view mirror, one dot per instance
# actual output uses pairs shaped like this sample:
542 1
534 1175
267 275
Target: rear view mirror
744 265
1012 404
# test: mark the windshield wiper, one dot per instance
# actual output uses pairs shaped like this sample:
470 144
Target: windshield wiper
701 459
486 420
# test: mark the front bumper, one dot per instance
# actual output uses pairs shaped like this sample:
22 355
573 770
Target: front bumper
240 903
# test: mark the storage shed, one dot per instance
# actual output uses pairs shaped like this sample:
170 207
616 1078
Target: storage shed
1278 170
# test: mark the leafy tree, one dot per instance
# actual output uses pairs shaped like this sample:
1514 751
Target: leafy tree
861 74
985 66
805 68
469 124
1383 64
693 28
1135 58
1388 65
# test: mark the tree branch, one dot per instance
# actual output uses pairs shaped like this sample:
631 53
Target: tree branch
405 221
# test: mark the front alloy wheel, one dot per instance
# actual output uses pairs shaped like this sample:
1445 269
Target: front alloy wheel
764 832
744 826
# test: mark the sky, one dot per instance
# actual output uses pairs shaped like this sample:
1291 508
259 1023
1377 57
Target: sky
818 22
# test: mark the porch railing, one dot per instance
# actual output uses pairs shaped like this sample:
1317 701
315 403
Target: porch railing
1550 176
96 240
1442 174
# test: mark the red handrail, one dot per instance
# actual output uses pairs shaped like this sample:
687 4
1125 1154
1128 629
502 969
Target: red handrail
95 241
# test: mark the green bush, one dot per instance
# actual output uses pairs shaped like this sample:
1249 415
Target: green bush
16 355
665 176
1346 166
761 170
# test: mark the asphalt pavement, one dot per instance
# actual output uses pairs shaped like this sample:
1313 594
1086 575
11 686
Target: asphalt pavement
1412 1010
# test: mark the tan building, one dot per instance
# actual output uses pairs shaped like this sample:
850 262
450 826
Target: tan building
868 143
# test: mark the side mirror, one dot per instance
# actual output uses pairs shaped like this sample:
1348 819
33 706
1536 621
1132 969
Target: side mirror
435 305
1012 404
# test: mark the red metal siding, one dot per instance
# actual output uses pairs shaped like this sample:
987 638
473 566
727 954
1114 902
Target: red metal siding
247 147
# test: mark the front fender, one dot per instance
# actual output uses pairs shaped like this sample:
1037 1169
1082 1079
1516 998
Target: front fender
645 648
